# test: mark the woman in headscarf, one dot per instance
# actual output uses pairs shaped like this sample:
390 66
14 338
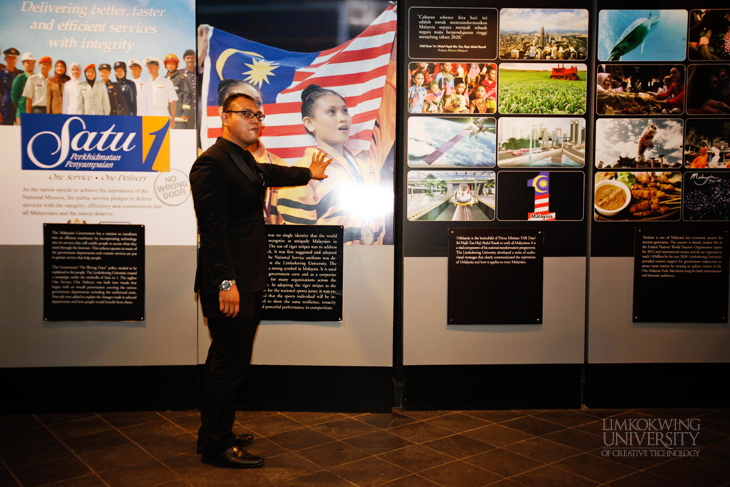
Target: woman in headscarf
608 100
93 97
71 91
55 88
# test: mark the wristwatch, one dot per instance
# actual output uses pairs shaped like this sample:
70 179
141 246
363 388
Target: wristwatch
226 285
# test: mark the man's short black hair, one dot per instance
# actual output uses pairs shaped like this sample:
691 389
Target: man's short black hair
232 96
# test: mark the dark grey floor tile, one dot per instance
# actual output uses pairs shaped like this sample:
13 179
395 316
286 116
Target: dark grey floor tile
102 440
503 462
170 446
369 472
686 472
12 439
55 418
262 447
51 471
300 438
344 428
460 474
30 452
186 464
312 418
542 450
420 432
242 416
268 425
498 415
112 458
378 442
178 414
318 479
410 481
643 479
226 477
140 475
6 478
580 440
158 428
416 458
566 417
79 427
497 435
130 418
13 422
506 483
86 481
594 468
286 467
550 476
532 426
385 420
459 446
190 423
458 422
332 454
425 415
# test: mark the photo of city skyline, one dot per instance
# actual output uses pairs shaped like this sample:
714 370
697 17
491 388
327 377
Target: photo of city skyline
543 34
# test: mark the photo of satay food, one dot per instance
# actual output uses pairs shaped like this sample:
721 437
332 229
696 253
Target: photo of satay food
653 195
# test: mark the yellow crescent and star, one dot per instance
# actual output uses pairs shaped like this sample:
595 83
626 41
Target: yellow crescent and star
540 184
259 70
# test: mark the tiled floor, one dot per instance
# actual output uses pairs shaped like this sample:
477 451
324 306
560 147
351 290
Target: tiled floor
541 448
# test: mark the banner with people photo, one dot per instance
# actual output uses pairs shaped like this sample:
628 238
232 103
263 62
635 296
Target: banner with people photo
95 103
358 74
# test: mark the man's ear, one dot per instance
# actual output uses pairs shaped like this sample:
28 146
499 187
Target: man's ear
224 116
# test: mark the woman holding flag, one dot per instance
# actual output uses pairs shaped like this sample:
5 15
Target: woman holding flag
350 195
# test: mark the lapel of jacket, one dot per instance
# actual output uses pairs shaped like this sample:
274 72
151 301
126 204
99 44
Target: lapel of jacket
253 178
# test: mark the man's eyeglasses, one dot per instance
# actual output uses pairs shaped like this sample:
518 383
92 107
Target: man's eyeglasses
248 114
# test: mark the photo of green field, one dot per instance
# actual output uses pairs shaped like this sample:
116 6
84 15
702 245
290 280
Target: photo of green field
542 88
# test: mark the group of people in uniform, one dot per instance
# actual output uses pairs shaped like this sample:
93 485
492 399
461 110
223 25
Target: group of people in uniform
79 91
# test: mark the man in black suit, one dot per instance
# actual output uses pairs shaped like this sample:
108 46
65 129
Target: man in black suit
228 192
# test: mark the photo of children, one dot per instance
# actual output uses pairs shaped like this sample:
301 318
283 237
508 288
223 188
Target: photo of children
452 88
707 143
631 196
639 143
708 89
543 34
450 195
709 33
541 142
455 142
642 35
640 89
542 88
707 196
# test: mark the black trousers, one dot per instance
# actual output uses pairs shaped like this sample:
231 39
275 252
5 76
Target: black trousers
226 367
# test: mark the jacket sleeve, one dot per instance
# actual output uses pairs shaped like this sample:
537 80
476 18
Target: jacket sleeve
210 198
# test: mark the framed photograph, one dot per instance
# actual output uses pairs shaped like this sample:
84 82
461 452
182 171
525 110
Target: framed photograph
542 88
642 35
543 34
707 143
452 88
450 195
708 89
707 196
708 31
542 142
633 143
635 196
640 89
457 142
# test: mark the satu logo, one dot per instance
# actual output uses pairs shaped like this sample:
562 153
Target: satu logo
541 183
89 143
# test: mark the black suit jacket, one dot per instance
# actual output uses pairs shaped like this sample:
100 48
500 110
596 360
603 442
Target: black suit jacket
228 193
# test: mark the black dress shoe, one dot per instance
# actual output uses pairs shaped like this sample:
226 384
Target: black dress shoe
238 440
234 457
